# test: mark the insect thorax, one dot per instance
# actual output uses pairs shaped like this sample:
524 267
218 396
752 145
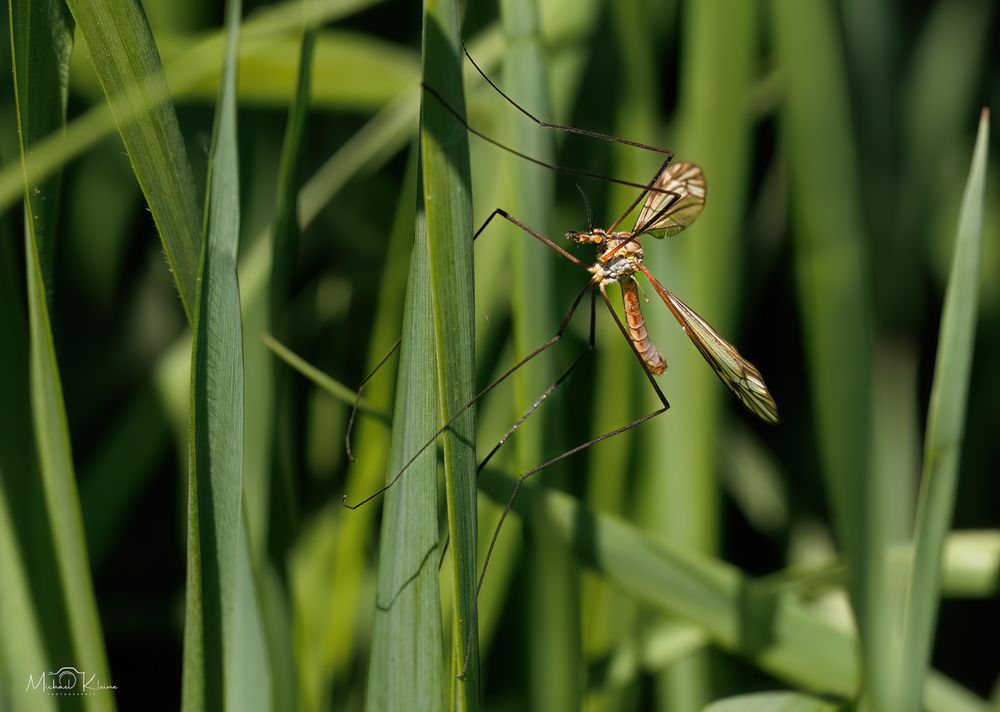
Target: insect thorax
620 257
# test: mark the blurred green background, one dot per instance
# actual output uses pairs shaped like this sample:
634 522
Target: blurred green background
835 138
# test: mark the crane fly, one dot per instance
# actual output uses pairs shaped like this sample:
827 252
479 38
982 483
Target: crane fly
665 213
674 199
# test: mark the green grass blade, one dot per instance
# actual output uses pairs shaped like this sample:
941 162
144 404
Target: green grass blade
447 194
224 660
41 38
406 670
945 428
769 628
833 285
128 65
554 666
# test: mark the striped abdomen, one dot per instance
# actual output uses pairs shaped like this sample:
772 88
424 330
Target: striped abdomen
637 328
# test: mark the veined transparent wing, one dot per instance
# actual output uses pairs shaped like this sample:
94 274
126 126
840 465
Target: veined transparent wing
668 212
735 371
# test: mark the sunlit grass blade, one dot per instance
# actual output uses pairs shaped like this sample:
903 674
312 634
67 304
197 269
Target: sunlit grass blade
447 196
182 73
834 285
770 629
128 65
225 664
945 428
774 702
972 564
41 41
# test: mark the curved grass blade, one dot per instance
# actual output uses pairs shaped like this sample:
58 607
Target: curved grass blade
225 664
945 429
447 197
41 41
128 65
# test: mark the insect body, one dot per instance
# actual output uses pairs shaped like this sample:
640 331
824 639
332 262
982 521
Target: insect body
676 202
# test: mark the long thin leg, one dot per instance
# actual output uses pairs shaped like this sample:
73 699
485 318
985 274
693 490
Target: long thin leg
500 379
354 409
591 344
357 397
572 451
562 127
537 161
506 374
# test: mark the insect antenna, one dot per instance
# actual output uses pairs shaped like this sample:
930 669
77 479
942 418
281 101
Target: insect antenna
531 159
590 210
563 127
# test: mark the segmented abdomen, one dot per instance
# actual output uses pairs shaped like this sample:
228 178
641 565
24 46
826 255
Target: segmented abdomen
637 328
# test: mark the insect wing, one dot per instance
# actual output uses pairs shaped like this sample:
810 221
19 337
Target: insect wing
735 371
676 203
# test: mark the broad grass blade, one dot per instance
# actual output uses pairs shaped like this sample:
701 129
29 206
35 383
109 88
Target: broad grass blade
225 661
